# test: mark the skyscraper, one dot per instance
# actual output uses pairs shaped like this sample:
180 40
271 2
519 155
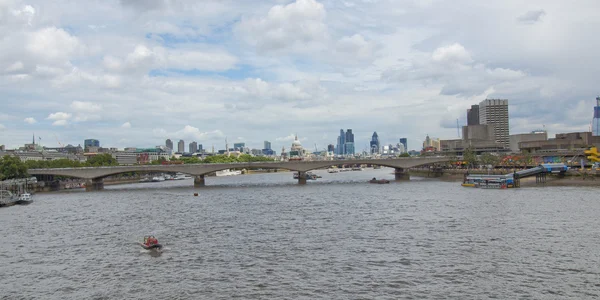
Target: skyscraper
330 148
404 142
181 146
473 115
239 146
267 145
495 112
375 147
596 120
341 143
193 147
87 143
349 145
169 144
200 149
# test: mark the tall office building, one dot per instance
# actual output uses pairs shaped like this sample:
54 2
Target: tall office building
267 145
87 143
404 142
495 112
330 148
200 149
239 146
341 143
181 146
193 147
169 144
375 148
349 145
473 115
596 120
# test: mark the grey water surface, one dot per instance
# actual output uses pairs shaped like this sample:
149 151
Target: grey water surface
265 237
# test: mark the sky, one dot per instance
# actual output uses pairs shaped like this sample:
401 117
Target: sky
132 73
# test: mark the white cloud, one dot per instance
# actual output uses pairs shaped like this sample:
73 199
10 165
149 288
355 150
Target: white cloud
88 107
288 138
59 116
452 54
53 45
2 127
357 46
30 120
295 26
411 63
60 123
126 125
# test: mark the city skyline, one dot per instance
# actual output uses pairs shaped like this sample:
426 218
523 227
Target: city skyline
133 74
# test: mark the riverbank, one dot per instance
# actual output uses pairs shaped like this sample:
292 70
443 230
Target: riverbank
571 178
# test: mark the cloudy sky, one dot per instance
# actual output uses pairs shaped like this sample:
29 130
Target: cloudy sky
135 72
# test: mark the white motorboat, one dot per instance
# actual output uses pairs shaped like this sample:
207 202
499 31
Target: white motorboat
24 198
332 170
158 179
228 172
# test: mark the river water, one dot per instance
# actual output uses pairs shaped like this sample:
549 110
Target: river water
265 237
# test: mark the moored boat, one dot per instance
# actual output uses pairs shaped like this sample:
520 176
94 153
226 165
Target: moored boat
24 199
379 181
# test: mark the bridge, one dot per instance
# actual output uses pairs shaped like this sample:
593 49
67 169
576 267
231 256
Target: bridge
94 176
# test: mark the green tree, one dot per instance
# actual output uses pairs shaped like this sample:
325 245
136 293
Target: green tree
470 157
12 167
404 155
489 159
101 160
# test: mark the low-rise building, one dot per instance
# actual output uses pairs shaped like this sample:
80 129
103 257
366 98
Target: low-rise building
562 142
534 136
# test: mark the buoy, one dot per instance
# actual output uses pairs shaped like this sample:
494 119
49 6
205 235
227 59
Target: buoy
195 194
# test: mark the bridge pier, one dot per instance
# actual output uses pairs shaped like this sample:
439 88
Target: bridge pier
401 174
301 177
94 184
199 181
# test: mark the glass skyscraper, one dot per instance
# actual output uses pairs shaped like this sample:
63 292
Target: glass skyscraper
404 142
341 143
349 145
375 148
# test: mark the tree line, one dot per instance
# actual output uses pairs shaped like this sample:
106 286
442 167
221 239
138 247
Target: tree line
12 167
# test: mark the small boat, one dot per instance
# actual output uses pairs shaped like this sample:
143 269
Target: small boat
149 245
332 170
158 179
356 169
24 199
307 176
379 181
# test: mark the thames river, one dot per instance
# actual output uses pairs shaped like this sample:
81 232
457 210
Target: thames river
265 237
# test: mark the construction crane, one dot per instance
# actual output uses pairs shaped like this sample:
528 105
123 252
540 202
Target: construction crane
61 145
